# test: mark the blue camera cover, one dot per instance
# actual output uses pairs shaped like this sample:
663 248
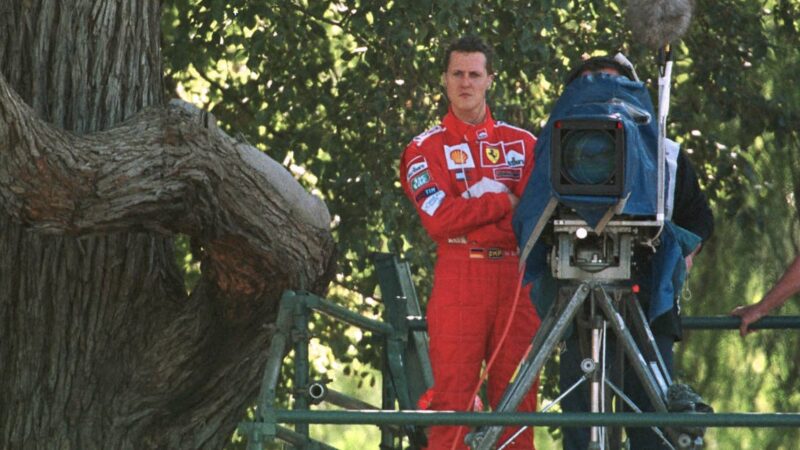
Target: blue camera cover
599 97
606 97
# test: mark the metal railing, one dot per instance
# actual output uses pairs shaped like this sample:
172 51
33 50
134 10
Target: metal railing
379 417
401 330
732 323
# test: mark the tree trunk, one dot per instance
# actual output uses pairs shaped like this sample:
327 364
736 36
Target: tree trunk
100 345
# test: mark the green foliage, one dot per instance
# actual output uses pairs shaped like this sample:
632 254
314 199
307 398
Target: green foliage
335 90
188 264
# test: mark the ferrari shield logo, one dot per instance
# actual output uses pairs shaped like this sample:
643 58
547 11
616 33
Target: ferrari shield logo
492 154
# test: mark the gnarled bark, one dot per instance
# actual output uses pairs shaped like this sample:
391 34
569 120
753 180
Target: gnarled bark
100 345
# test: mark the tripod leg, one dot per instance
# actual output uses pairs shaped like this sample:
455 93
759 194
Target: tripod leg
596 401
640 366
645 336
550 333
632 406
615 376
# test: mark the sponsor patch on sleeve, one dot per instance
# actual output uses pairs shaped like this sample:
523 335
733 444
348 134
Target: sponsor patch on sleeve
508 174
415 166
420 180
432 203
515 153
427 192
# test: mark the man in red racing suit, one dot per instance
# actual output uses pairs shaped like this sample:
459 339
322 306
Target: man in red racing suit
464 178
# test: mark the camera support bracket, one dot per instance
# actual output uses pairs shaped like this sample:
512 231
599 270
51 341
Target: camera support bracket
612 211
601 257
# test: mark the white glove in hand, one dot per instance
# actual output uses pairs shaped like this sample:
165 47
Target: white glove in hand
484 186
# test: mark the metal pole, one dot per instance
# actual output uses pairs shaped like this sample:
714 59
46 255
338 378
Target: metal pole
377 417
732 323
291 437
319 392
694 323
277 350
663 112
639 324
345 315
301 363
596 407
637 361
550 332
634 407
549 406
299 441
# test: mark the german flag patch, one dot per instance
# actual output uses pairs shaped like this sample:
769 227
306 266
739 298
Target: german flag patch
476 253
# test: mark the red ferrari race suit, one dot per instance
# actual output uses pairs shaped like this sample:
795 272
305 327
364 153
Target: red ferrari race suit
458 177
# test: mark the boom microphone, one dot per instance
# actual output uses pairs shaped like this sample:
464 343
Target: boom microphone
657 23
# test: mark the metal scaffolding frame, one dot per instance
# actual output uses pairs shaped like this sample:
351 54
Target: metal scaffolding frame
406 374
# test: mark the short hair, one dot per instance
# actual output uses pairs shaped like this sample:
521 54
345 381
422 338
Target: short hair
470 44
598 63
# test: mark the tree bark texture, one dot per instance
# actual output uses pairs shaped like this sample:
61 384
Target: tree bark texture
100 345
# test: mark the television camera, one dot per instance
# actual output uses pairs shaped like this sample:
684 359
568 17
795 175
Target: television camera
596 204
588 159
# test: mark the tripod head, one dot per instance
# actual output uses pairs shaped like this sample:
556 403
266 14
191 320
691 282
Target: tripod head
581 253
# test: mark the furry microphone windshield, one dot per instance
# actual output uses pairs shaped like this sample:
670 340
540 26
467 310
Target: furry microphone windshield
657 23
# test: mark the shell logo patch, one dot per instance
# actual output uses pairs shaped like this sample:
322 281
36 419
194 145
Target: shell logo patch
458 157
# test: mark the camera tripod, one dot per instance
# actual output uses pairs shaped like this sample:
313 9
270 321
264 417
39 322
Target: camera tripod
606 302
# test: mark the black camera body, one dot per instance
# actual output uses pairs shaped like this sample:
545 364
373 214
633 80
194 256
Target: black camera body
588 157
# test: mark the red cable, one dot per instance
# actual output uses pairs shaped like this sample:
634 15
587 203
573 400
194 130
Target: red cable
495 352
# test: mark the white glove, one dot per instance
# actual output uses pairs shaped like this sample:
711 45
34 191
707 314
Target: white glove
484 186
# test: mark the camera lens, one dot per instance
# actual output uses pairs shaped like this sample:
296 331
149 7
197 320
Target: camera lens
588 156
